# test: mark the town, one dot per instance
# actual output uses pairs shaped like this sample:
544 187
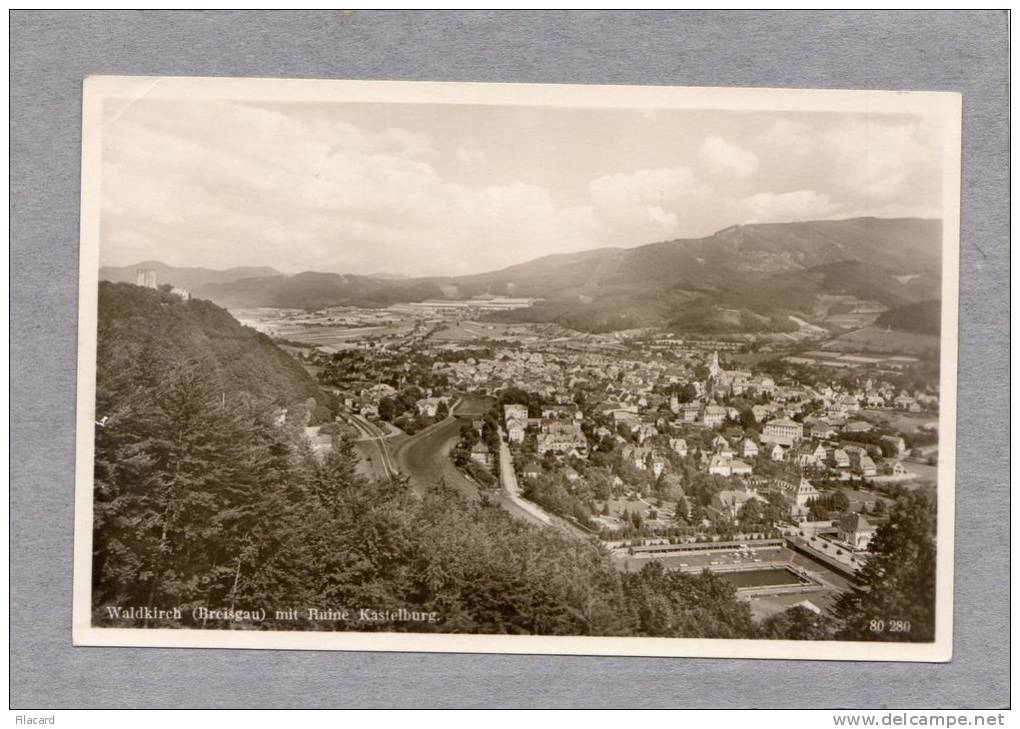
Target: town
770 464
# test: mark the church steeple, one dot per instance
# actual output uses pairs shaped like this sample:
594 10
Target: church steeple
713 364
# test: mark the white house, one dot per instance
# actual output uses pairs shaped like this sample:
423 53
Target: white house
515 412
713 415
515 430
855 530
782 431
679 446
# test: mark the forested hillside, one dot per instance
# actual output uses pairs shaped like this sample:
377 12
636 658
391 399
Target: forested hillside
148 332
924 317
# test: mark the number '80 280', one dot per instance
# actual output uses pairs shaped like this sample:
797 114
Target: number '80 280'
889 626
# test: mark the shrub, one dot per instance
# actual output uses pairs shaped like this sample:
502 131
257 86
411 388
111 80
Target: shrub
481 474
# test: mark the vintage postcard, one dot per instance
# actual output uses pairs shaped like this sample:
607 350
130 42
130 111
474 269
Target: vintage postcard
517 368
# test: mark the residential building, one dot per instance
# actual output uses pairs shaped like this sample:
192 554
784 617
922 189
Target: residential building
481 454
515 412
369 410
689 412
782 431
563 441
428 406
860 462
822 430
531 470
679 446
838 458
637 456
722 466
855 530
713 415
804 492
515 431
903 401
858 426
729 503
739 468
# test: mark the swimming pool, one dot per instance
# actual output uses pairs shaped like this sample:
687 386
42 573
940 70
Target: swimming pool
766 577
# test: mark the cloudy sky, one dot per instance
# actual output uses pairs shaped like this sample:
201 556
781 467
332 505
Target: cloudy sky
451 189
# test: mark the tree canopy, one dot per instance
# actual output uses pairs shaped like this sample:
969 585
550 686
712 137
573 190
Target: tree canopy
896 598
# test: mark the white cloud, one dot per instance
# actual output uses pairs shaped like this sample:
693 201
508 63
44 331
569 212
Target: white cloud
642 204
876 159
725 158
314 195
786 134
219 184
769 207
472 158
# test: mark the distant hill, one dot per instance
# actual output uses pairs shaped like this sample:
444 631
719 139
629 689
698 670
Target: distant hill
151 326
747 278
705 318
923 317
311 290
187 278
909 247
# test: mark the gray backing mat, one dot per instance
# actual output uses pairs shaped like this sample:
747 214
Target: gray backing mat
51 52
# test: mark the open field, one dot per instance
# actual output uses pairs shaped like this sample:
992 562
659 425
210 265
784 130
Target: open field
859 498
325 329
851 321
337 337
875 339
460 331
925 474
902 421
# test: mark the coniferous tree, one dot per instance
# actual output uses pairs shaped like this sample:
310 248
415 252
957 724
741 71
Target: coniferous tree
896 598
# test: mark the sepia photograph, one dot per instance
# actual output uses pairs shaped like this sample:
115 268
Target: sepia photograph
512 368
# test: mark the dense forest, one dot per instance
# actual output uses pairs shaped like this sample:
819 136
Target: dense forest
203 497
923 317
150 329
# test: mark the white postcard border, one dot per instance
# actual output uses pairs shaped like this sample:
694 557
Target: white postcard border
131 88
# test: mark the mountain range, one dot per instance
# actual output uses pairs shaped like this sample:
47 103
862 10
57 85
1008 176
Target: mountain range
194 279
743 278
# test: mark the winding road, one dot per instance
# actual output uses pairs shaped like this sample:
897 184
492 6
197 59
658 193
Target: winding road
425 458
